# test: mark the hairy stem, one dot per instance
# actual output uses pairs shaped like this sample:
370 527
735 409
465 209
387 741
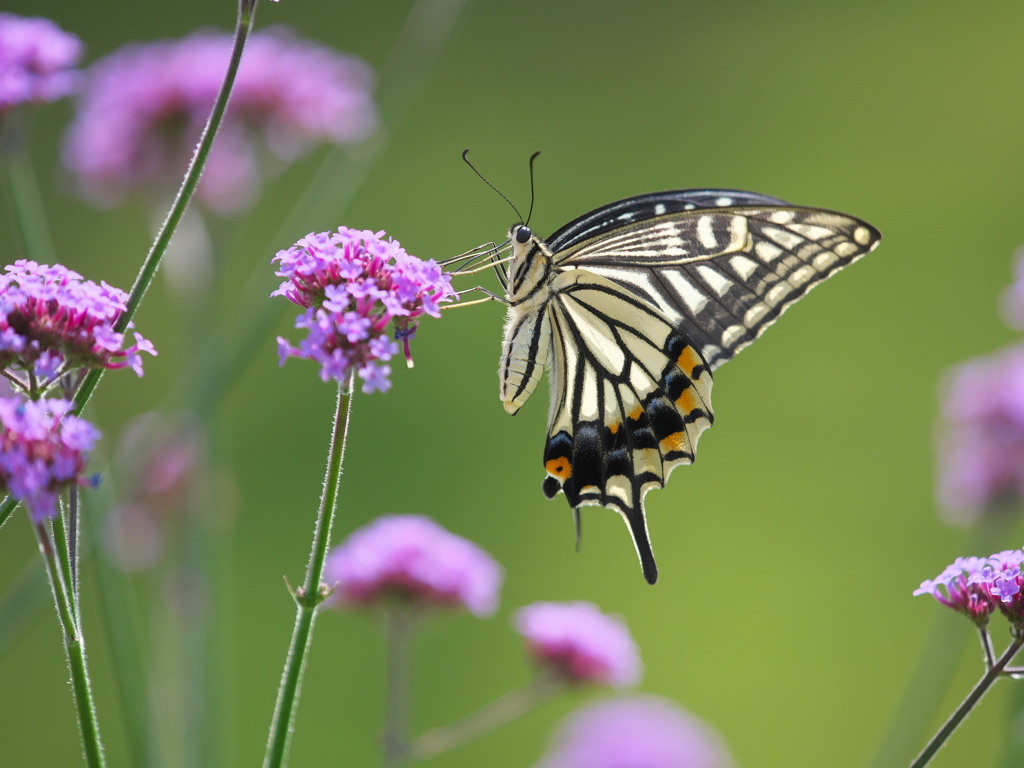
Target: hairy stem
310 595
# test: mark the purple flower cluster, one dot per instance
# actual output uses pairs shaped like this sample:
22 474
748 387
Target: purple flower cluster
580 643
635 732
977 586
981 450
144 106
42 449
37 60
353 283
52 321
412 559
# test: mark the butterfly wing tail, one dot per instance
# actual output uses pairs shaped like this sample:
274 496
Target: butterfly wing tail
636 520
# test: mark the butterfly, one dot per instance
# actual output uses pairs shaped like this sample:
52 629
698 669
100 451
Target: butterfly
631 307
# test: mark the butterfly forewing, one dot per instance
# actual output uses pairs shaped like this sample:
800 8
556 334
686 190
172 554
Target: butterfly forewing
632 306
725 275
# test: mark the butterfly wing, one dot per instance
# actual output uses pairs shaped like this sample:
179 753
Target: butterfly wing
726 274
630 396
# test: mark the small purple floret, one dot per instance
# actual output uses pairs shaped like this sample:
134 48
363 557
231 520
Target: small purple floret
37 60
580 643
412 559
352 284
635 732
42 449
53 321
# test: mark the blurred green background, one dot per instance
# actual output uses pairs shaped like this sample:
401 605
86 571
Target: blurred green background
787 553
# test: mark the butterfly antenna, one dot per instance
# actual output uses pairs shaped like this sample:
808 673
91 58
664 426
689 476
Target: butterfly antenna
532 194
466 152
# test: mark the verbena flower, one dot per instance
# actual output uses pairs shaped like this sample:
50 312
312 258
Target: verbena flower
580 643
978 586
37 60
981 448
144 106
43 449
53 321
635 732
412 559
352 284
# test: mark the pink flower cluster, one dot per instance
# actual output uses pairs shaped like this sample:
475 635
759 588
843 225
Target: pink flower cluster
52 321
635 732
144 106
981 450
977 586
580 643
353 283
414 560
37 60
42 449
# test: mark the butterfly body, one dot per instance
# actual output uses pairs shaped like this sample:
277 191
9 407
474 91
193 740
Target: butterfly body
631 306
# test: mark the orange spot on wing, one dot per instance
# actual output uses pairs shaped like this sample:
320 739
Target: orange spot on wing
560 468
674 442
636 413
687 401
614 428
688 360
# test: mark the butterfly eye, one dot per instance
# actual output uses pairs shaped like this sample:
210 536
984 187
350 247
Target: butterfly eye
523 235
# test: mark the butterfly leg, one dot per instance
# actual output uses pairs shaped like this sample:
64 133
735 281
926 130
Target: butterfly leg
488 296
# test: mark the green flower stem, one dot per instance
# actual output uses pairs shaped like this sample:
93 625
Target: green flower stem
499 712
74 646
26 204
311 594
967 705
60 540
401 622
246 15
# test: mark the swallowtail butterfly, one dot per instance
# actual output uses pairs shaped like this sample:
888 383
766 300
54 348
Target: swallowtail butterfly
631 307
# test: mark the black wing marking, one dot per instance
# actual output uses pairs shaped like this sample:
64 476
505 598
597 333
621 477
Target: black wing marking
630 397
724 275
641 207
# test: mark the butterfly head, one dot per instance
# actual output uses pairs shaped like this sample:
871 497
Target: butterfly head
520 234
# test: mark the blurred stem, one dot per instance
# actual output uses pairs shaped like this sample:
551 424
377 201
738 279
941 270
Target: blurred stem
496 714
74 646
21 602
935 665
401 622
246 15
939 739
311 594
117 609
26 204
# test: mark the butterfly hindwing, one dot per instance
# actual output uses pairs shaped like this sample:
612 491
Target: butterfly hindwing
628 406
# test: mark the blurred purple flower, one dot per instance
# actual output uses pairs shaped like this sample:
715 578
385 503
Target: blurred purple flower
580 643
981 448
413 559
42 450
53 321
352 284
37 60
635 732
144 106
